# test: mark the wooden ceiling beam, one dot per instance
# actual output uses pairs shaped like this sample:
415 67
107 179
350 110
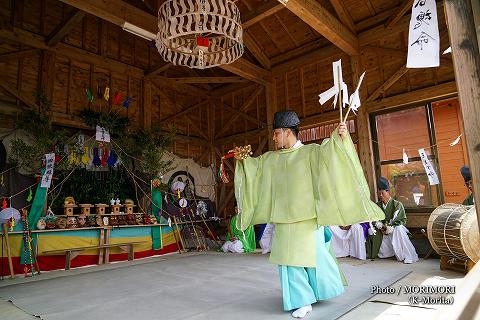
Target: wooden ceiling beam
243 135
65 27
17 54
255 49
402 10
261 12
343 14
375 20
300 51
163 82
388 83
441 91
161 67
231 88
249 71
184 111
14 92
117 12
321 20
208 79
37 41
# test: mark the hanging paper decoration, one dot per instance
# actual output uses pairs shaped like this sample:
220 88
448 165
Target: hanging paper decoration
47 176
431 174
423 36
448 50
454 142
89 94
102 134
99 92
117 98
338 86
4 203
405 157
2 183
30 195
202 43
106 94
127 101
112 158
96 158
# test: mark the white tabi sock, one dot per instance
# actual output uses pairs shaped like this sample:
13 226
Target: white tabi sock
302 312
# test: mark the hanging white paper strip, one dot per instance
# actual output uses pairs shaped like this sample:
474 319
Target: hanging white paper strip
338 85
405 157
454 142
47 176
431 174
102 134
423 36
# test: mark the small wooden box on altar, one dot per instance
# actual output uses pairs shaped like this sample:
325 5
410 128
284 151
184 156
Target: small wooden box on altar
116 208
100 208
85 208
68 209
129 208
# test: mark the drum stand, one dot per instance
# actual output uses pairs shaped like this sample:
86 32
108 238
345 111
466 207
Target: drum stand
449 263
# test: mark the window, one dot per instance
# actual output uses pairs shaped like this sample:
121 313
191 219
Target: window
407 130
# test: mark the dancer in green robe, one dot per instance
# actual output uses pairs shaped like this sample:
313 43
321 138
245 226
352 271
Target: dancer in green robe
301 189
469 200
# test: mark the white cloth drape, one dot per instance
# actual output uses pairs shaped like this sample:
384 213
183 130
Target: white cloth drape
235 246
266 239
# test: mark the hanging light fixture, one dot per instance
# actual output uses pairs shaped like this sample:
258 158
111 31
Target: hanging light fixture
199 33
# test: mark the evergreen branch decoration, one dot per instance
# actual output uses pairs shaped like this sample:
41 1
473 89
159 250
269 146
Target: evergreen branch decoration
114 123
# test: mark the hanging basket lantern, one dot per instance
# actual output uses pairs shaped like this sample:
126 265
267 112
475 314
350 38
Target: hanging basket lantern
199 33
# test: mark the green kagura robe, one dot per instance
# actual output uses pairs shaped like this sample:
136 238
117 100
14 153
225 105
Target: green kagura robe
299 189
247 237
394 216
469 200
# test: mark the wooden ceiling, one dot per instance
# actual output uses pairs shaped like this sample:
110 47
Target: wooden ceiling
273 33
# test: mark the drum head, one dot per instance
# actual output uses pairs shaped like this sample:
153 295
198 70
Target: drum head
470 235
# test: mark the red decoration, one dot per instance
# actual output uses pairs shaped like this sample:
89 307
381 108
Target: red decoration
202 42
117 99
4 203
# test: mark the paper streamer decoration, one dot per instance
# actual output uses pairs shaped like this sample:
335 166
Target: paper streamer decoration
355 96
102 134
405 157
338 85
431 174
454 142
448 50
423 36
117 98
106 94
47 176
89 95
127 101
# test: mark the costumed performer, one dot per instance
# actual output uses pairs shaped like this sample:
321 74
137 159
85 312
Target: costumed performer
238 241
298 188
389 237
469 200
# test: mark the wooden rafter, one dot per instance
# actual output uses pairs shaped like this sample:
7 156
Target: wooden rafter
163 82
242 109
17 54
208 79
404 7
343 14
249 71
260 13
252 134
230 88
244 115
300 51
64 28
375 20
255 49
441 91
388 83
320 19
37 41
161 67
14 92
184 111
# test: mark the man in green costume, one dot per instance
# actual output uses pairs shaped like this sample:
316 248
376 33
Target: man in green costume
238 241
302 188
389 237
469 200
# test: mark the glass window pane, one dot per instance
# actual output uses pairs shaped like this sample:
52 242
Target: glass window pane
406 129
409 184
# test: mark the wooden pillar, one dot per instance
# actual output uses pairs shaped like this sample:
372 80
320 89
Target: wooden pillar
466 63
147 103
365 150
271 105
47 73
